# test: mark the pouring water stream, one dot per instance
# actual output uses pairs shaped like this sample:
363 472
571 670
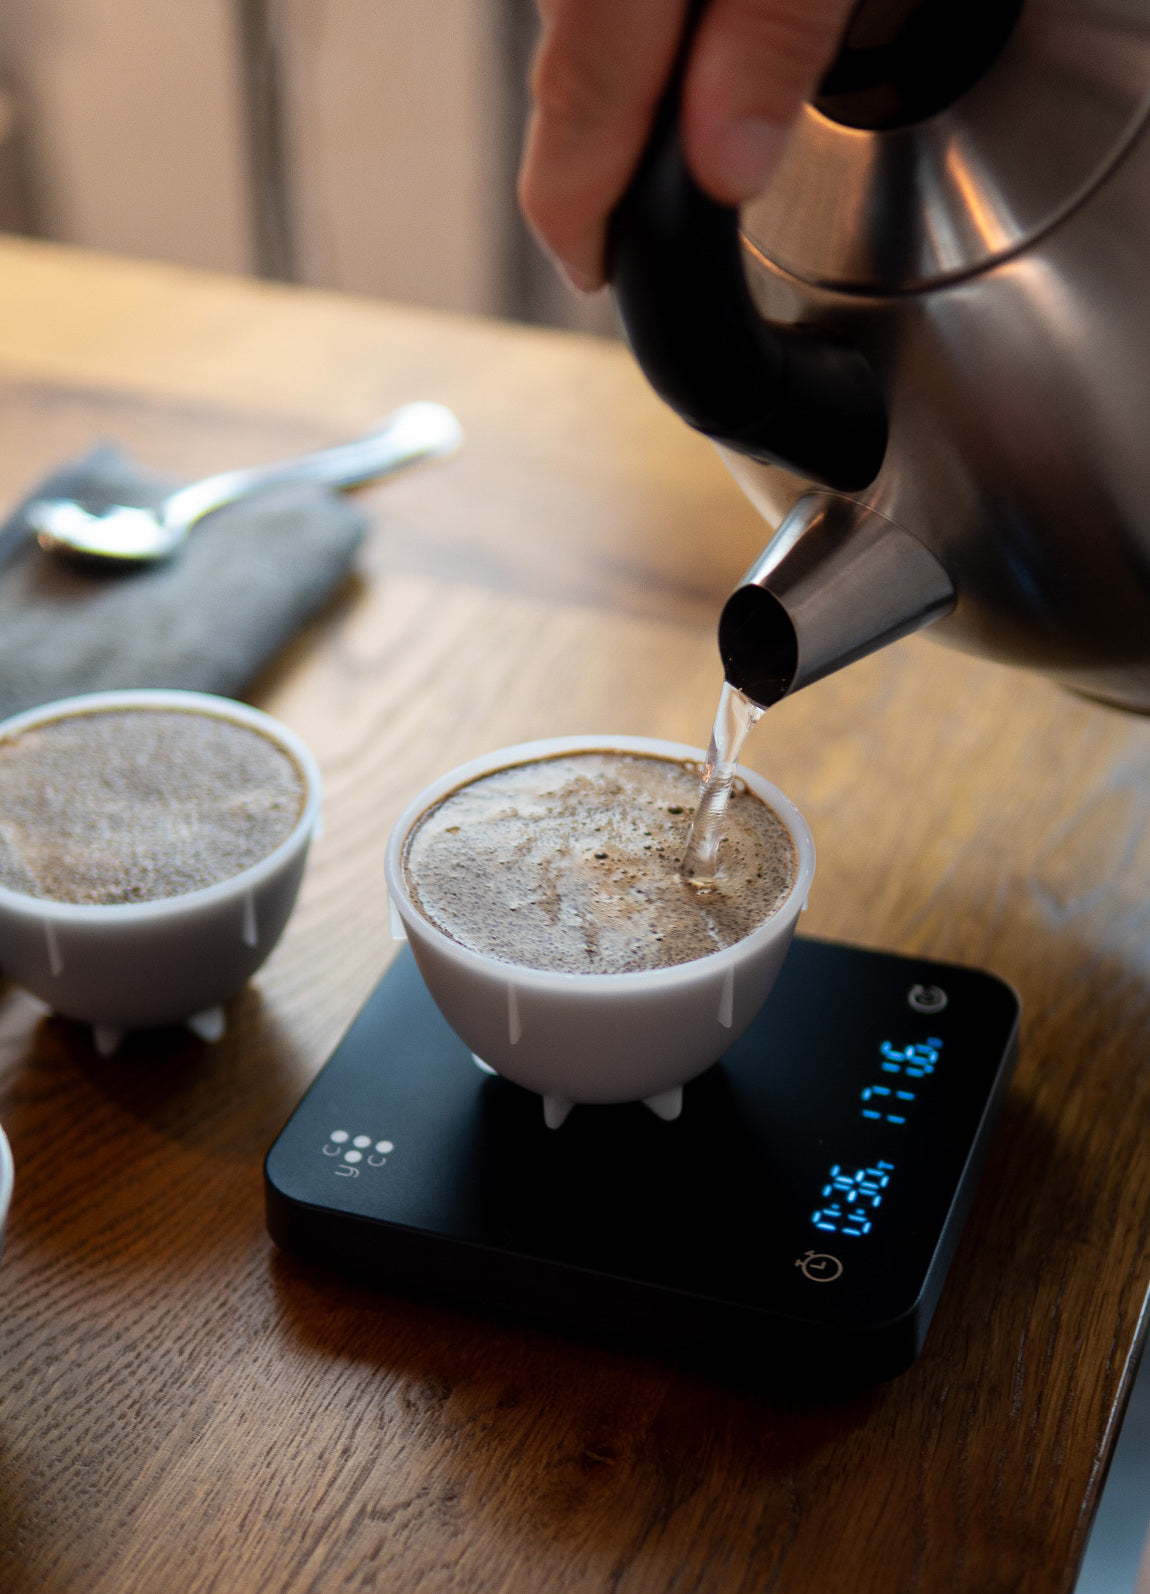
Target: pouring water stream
736 718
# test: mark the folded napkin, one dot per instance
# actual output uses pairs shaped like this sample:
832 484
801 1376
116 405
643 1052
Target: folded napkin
206 620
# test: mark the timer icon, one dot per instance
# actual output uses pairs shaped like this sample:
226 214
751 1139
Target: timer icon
820 1267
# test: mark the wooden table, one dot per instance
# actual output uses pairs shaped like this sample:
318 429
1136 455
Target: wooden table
184 1408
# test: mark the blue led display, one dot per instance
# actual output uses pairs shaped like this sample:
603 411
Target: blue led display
916 1060
882 1099
888 1102
849 1199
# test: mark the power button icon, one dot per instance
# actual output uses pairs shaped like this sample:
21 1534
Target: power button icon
926 998
820 1267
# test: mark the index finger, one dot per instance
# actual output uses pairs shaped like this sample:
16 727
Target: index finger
599 72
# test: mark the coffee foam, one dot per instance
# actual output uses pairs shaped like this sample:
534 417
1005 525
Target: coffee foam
139 804
571 864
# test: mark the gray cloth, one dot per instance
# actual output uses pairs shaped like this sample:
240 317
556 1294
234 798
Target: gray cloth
207 620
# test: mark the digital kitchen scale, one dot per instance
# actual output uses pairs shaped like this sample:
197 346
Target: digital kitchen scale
801 1213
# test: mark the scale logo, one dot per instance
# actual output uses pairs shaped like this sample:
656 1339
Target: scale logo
820 1267
356 1152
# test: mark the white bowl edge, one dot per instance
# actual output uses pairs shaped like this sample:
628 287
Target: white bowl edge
189 702
7 1177
556 746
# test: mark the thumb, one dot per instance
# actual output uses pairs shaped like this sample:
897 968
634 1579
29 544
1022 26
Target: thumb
752 65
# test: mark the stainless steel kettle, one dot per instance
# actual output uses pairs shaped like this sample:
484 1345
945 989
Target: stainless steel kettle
924 351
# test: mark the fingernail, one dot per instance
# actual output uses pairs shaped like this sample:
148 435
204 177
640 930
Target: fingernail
748 153
577 279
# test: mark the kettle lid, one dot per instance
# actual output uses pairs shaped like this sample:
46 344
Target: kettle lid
946 136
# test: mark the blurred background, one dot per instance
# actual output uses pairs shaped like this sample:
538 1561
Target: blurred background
364 145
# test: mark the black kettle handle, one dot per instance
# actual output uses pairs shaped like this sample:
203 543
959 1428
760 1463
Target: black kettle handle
784 395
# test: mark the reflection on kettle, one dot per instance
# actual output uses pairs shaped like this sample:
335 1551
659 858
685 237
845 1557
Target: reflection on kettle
924 350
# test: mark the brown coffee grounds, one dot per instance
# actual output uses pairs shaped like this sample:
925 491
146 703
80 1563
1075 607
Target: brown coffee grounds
571 864
133 805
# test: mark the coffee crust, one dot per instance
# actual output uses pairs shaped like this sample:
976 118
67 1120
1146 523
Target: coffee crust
139 804
571 864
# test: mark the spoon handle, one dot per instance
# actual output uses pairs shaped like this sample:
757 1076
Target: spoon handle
414 432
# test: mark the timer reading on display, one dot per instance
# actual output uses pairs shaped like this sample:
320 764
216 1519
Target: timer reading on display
850 1199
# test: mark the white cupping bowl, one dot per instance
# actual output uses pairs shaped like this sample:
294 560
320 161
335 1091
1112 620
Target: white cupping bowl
599 1037
134 965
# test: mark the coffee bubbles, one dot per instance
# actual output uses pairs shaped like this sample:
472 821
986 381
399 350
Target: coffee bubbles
137 805
572 864
589 1004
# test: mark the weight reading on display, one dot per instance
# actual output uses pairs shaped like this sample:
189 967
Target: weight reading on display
889 1101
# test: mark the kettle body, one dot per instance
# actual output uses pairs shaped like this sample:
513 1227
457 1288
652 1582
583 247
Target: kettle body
988 258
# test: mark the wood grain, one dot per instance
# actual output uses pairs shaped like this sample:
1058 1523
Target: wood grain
183 1407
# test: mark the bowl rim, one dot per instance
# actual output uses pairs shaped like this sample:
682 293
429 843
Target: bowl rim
634 982
7 1178
41 908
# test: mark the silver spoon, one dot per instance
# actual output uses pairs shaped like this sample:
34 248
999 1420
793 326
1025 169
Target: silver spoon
124 535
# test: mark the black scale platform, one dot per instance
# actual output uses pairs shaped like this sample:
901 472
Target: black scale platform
800 1214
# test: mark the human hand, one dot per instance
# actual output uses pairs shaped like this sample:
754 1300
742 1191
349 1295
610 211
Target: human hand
600 70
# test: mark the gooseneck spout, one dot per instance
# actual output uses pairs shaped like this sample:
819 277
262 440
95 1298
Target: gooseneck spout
836 582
